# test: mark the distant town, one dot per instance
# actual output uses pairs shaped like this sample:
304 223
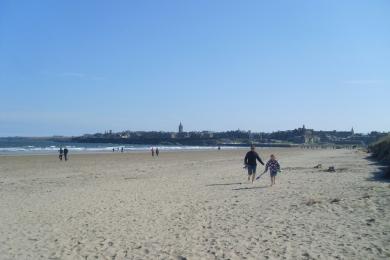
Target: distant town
298 136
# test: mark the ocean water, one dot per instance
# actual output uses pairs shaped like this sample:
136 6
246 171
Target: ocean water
22 146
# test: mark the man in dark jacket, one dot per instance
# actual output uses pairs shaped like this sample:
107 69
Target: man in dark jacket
251 164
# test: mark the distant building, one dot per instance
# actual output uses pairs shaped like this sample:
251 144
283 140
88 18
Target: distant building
125 135
207 134
250 135
180 128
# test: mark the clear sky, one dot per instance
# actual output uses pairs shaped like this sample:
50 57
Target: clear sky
73 67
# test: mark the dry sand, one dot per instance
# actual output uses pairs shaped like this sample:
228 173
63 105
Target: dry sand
193 205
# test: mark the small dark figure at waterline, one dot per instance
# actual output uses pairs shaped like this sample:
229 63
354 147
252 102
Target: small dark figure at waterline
66 153
61 153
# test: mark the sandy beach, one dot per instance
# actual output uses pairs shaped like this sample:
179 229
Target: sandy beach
193 205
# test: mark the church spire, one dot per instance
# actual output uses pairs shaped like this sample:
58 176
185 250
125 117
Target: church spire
180 128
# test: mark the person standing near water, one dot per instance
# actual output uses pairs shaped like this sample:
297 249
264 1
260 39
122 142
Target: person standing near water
61 153
152 152
66 153
273 167
157 152
250 162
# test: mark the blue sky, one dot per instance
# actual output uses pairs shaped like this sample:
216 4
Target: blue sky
74 67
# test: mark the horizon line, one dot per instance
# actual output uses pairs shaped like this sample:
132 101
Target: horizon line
162 131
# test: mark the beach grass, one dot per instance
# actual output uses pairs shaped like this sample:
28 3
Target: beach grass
381 151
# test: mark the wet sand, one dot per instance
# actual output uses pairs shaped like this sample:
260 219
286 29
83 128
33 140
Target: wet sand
193 205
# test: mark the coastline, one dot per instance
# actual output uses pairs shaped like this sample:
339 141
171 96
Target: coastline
108 150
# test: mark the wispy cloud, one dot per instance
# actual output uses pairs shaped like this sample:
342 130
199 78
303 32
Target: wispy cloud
80 76
365 82
52 117
71 75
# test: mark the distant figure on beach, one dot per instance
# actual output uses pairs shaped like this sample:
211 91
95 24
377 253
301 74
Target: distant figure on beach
157 152
273 167
251 164
61 153
66 153
113 149
152 151
122 150
219 147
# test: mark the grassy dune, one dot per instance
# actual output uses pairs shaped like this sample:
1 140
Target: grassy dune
381 151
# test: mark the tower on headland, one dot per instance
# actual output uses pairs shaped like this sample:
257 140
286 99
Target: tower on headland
352 131
180 128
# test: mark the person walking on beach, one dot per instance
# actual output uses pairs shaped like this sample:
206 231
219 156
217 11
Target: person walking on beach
61 153
273 167
250 162
157 152
66 153
152 152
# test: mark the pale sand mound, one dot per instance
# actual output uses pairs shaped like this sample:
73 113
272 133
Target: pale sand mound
192 205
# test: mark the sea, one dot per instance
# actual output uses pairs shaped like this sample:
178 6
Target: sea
16 146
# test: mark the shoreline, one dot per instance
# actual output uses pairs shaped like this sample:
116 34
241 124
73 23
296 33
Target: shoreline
129 151
146 149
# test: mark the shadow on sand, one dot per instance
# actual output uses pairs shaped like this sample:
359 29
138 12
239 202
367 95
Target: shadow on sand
252 188
383 173
224 184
